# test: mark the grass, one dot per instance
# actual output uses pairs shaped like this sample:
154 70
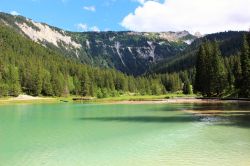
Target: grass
4 101
138 98
69 99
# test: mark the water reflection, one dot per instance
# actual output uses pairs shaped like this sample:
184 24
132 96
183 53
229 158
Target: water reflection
146 119
236 114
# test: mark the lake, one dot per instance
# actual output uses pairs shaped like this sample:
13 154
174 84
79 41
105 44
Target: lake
121 135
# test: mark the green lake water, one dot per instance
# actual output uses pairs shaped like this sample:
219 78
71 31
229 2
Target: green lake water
121 135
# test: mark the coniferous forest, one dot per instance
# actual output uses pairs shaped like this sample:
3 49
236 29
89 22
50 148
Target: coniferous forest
217 76
27 67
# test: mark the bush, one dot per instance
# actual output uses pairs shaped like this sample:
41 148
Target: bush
99 93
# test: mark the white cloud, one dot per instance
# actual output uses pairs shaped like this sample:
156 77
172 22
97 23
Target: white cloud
14 13
90 8
82 27
140 1
192 15
95 29
144 1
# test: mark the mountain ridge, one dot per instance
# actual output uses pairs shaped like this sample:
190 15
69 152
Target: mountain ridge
129 52
230 44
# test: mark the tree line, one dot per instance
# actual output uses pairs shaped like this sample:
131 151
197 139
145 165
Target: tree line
217 76
27 67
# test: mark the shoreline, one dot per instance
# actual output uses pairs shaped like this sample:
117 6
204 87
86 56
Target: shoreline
179 101
23 99
26 99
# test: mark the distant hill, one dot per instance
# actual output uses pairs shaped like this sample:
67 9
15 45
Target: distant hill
129 52
30 68
230 44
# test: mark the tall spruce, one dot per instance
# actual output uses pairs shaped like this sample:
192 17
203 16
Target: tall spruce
85 84
13 81
187 88
201 74
218 73
245 66
210 77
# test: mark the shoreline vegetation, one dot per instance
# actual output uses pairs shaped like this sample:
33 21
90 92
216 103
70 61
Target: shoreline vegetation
126 99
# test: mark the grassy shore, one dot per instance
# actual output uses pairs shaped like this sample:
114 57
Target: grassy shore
128 98
123 99
143 98
25 99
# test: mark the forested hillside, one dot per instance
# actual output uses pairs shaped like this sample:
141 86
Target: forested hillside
129 52
27 67
216 76
86 64
230 44
220 68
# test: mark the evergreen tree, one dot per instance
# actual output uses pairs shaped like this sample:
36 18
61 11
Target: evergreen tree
4 88
46 85
57 82
245 66
70 84
217 73
237 73
13 81
201 75
85 84
187 88
77 85
210 71
37 82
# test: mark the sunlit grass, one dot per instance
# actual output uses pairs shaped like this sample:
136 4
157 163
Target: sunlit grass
66 99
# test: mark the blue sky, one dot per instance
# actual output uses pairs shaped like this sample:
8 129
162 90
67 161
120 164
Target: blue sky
205 16
67 14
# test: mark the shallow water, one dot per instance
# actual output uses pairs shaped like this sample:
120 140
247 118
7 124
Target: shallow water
119 135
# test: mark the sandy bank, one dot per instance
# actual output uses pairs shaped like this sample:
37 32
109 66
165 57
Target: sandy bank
25 99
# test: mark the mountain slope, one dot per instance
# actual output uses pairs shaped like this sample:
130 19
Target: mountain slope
129 52
27 67
229 42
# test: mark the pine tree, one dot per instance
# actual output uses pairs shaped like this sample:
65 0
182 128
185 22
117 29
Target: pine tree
70 84
237 72
57 82
187 88
217 73
245 66
77 85
3 89
210 77
13 81
85 84
37 82
200 77
46 85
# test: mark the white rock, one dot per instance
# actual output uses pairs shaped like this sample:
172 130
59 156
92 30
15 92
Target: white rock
47 34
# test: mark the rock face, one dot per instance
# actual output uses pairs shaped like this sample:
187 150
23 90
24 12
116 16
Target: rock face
129 52
43 32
